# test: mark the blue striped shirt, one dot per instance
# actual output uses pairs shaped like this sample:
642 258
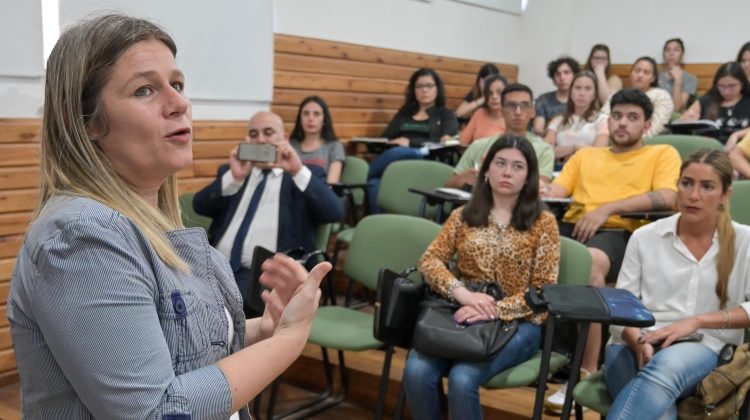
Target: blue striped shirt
102 328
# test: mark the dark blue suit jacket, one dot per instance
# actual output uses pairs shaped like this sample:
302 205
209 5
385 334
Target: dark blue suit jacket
300 212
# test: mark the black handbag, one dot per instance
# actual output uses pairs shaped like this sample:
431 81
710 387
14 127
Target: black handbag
437 334
397 307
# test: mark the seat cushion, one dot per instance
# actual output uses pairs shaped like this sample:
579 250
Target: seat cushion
345 235
592 393
525 373
342 328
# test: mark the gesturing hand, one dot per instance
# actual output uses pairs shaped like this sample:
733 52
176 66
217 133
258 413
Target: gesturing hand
284 277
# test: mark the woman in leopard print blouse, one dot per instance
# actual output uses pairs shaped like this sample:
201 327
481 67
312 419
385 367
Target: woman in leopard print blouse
502 235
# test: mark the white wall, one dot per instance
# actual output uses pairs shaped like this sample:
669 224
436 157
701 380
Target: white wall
712 31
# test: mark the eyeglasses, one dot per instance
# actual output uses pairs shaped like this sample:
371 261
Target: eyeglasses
731 86
523 106
425 86
599 58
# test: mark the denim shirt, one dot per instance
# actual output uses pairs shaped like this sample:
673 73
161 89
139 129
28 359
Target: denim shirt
102 328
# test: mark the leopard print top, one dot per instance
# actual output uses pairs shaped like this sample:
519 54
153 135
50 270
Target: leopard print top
496 252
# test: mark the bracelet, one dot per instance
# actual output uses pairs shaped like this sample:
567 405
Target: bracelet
727 319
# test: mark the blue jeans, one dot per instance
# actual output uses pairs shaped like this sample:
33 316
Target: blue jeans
652 393
377 168
423 374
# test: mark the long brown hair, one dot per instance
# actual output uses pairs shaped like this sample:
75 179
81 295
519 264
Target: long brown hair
72 162
570 107
719 161
528 206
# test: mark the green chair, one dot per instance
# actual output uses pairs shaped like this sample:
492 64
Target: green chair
575 268
686 144
592 392
189 217
739 204
380 241
353 190
394 195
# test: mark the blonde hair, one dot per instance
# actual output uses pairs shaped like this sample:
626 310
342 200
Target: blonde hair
719 161
72 163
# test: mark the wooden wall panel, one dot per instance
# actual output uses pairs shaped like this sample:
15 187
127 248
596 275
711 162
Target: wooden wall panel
363 86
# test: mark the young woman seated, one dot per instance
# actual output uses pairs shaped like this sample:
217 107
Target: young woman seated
727 103
740 157
503 235
422 119
743 57
643 77
582 124
692 271
598 62
488 119
475 99
672 78
315 140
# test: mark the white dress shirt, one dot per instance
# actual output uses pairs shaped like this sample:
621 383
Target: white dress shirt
673 285
264 228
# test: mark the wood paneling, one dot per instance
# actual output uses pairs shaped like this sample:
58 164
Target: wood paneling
9 245
363 86
19 130
19 177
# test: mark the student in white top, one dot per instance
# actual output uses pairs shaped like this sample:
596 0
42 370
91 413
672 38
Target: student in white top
643 76
582 124
692 271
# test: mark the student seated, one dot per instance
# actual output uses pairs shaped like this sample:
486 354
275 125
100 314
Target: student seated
582 124
551 104
680 84
740 157
518 110
422 119
599 62
315 140
605 182
727 103
488 119
692 271
278 206
743 58
476 98
643 77
502 235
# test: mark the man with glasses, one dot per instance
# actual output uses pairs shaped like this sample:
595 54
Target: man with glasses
518 110
606 182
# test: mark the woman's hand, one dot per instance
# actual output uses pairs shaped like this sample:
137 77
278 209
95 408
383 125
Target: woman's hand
675 72
298 315
401 141
644 354
285 278
665 336
482 303
732 141
469 315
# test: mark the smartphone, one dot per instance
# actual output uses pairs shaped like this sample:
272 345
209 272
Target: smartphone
257 152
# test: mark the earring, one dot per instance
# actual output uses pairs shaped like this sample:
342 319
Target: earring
486 179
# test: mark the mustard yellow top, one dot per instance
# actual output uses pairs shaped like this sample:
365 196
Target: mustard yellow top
595 176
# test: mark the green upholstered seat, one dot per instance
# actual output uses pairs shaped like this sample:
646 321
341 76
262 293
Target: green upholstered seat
189 217
686 144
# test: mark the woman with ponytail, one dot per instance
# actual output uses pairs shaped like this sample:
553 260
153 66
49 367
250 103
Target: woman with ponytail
692 271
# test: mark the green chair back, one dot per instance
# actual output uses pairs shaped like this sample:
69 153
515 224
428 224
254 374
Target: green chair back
575 262
387 241
322 236
686 144
739 204
189 217
394 195
355 172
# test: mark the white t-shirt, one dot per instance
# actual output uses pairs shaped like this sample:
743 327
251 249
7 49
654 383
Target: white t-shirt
578 130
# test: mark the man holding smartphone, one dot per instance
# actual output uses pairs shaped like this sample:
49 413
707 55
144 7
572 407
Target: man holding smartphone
269 199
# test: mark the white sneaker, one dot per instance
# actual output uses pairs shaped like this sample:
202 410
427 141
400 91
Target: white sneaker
554 403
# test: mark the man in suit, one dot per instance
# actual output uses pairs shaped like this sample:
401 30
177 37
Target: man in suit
275 205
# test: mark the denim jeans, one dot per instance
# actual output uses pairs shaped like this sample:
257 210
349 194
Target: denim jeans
423 374
377 168
652 393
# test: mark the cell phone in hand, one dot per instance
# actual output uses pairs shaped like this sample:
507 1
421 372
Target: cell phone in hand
257 152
